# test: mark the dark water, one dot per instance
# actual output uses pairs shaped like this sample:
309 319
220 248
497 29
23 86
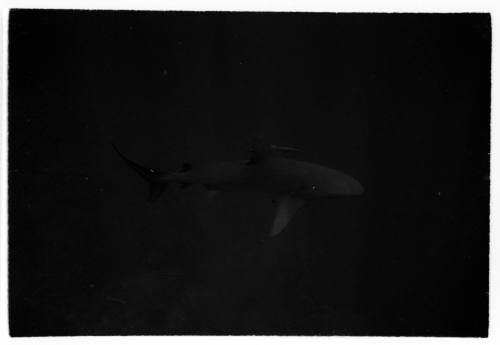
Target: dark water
400 102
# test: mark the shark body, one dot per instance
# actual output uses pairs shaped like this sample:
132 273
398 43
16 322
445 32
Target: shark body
291 182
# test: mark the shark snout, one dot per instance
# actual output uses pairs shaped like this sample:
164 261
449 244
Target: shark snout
358 189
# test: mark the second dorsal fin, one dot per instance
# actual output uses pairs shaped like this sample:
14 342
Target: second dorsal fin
186 167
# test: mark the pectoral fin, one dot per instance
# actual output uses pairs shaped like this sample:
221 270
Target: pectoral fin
287 207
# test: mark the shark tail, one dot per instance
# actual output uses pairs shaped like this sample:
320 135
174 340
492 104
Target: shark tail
157 183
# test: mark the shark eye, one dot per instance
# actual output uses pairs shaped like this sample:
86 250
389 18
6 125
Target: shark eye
314 187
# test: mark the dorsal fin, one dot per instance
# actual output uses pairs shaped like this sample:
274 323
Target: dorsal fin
261 151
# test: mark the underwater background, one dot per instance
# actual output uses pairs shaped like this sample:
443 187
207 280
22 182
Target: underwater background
399 101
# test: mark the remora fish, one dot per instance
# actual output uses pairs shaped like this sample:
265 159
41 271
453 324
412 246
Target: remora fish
291 182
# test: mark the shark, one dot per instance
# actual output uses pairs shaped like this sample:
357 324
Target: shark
291 182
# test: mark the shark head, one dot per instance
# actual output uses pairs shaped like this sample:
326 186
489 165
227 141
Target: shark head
331 183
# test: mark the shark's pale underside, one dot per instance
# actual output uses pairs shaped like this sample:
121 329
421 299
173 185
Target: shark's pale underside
291 182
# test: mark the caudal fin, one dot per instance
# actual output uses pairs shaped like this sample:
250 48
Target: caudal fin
156 184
